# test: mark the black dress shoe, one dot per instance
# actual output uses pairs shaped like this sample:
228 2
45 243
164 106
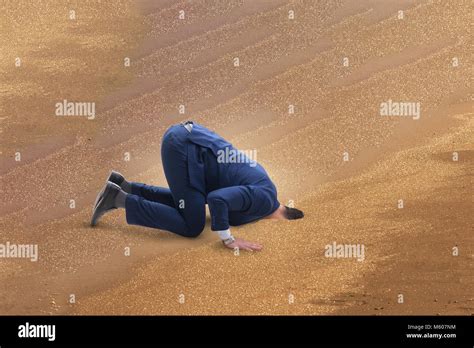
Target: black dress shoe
106 201
114 177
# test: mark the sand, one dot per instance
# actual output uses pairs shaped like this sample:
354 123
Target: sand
418 259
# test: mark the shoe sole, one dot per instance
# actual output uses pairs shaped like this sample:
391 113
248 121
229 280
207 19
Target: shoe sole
95 215
101 193
99 197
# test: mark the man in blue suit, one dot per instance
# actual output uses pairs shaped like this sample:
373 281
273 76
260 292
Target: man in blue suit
198 173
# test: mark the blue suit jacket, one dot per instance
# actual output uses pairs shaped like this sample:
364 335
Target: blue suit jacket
207 139
256 185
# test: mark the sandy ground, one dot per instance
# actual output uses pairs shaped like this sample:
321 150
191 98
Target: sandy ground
408 251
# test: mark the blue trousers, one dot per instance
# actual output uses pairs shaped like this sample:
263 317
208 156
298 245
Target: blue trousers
181 207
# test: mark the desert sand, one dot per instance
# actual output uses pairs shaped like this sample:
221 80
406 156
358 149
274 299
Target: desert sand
335 157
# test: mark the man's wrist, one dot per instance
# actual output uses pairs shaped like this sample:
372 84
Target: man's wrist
226 237
224 234
228 241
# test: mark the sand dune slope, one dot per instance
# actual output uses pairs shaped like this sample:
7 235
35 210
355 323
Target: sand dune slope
306 95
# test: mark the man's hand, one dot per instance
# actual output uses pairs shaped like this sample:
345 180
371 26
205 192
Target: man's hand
243 244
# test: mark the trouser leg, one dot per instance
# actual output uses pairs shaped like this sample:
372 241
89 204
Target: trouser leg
153 193
187 216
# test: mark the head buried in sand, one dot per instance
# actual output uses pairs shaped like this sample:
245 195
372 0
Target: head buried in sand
293 213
